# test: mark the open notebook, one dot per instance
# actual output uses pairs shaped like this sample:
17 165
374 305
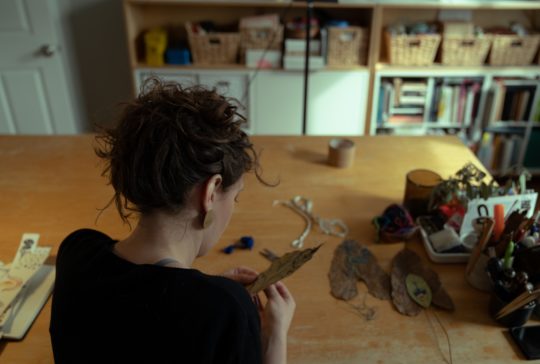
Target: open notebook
28 304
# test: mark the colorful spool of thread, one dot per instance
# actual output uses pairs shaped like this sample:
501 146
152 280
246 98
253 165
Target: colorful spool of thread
245 242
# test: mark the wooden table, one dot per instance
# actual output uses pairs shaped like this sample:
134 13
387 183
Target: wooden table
52 185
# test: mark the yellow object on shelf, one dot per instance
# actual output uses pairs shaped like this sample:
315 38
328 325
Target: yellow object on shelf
155 41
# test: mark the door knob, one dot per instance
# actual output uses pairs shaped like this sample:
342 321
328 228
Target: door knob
47 50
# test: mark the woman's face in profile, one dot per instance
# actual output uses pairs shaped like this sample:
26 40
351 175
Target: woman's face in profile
223 209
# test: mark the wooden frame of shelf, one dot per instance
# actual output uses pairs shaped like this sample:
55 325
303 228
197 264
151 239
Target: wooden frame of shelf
375 15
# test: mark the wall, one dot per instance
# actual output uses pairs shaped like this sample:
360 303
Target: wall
96 58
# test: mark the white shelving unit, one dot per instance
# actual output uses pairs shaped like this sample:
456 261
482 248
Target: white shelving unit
341 101
485 118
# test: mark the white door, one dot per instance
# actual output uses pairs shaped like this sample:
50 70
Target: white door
33 88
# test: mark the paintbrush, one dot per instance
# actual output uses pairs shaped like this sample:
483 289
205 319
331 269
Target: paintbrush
518 302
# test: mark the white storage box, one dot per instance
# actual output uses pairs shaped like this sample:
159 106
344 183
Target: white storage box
298 62
260 58
298 46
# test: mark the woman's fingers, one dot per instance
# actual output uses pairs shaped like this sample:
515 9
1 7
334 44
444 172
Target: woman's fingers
283 291
247 270
243 275
271 292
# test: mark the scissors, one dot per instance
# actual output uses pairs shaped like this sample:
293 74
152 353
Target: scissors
483 214
268 254
482 210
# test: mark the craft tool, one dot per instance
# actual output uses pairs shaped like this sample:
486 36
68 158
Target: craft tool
518 302
487 229
508 258
268 254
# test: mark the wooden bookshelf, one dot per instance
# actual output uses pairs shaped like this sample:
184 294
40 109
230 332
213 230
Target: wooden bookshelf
258 86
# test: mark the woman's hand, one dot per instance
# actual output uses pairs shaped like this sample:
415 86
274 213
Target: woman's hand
242 275
278 312
276 317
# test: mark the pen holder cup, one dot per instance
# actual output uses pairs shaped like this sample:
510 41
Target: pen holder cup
517 318
478 277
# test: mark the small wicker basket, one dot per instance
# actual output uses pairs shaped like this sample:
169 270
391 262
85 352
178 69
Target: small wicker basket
214 48
347 46
465 50
513 50
412 50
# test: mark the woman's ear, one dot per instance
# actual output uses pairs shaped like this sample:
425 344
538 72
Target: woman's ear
209 192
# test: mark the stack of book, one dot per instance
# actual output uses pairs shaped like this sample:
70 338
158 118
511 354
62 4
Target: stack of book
295 54
401 101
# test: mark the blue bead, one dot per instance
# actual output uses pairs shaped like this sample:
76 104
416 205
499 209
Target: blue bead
247 242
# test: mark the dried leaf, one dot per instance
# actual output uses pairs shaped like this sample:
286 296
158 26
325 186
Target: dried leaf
281 268
352 261
407 262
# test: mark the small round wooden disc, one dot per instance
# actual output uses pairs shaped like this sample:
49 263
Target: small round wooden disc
418 290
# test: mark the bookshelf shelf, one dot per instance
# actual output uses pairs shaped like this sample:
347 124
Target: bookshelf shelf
509 124
236 67
514 71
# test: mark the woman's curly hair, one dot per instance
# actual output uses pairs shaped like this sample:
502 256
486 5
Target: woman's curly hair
168 140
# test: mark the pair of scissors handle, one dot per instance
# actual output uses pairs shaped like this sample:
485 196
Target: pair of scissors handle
482 210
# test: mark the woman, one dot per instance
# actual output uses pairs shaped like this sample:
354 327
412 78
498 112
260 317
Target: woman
177 158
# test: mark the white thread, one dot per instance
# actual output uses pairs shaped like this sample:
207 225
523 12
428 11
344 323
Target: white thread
304 206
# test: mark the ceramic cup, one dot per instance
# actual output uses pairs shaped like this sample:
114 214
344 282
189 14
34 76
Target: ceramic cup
341 152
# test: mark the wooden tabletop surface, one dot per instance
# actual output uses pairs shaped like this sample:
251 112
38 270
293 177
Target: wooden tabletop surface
52 186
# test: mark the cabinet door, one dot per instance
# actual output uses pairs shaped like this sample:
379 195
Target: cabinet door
337 102
234 86
276 103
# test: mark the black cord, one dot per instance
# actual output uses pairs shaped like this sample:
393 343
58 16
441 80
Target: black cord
309 13
269 45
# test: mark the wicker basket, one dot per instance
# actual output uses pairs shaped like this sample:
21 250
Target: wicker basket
465 50
412 50
513 50
347 46
214 48
261 38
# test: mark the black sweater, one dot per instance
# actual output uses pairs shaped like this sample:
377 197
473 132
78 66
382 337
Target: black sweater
108 310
